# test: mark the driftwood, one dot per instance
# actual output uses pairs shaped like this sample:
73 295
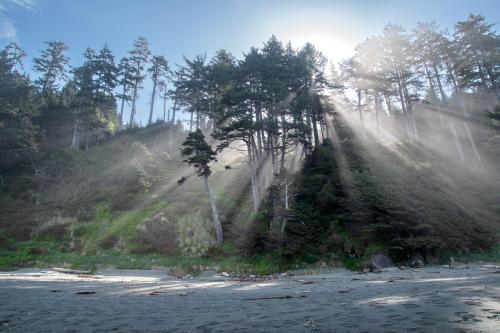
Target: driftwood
272 297
85 292
490 267
71 271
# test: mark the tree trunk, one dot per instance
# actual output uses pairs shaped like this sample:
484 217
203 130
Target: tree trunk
451 75
440 86
151 108
431 85
411 117
283 145
253 178
361 113
287 205
388 104
215 213
457 142
75 144
165 117
309 125
173 110
120 120
315 128
258 118
403 108
132 112
377 112
472 143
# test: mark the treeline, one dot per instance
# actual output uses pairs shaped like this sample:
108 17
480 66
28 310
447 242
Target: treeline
396 71
270 100
84 98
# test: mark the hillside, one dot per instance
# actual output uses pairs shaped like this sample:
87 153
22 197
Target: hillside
362 196
133 196
123 195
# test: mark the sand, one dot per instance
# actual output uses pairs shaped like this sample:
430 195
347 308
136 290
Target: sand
432 299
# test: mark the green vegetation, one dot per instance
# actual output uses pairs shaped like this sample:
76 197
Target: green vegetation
45 254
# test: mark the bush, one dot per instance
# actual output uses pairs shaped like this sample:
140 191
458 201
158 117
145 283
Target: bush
156 235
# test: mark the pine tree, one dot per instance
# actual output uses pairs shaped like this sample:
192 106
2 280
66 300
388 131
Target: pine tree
199 155
158 72
138 57
126 86
17 108
51 66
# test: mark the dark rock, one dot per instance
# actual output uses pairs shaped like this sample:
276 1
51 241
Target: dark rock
380 261
416 260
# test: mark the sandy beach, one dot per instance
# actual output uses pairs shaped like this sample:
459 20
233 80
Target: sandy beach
432 299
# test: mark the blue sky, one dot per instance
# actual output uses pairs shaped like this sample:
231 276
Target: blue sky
189 27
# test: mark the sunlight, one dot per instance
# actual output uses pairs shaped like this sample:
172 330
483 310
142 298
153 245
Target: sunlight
390 300
334 42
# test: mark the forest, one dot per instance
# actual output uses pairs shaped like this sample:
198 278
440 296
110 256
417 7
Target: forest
294 159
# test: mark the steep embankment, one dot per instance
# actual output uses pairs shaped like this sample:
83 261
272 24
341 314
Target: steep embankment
133 195
123 195
362 195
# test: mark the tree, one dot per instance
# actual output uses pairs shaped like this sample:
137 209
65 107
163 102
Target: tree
478 48
126 83
199 155
398 62
94 104
158 72
138 57
17 109
191 88
51 66
105 73
14 56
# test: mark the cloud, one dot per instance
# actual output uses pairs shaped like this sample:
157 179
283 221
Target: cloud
26 4
8 30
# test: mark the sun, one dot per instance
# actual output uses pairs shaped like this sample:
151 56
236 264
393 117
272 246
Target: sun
334 42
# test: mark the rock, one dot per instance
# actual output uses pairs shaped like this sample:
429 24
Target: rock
416 260
225 274
380 261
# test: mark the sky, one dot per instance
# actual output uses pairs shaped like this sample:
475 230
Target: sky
177 28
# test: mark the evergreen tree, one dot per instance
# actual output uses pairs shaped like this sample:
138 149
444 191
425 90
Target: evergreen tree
138 58
18 135
191 89
199 155
478 48
158 72
94 103
126 83
51 66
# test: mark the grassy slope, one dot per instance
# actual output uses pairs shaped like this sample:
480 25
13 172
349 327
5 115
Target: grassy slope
119 204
